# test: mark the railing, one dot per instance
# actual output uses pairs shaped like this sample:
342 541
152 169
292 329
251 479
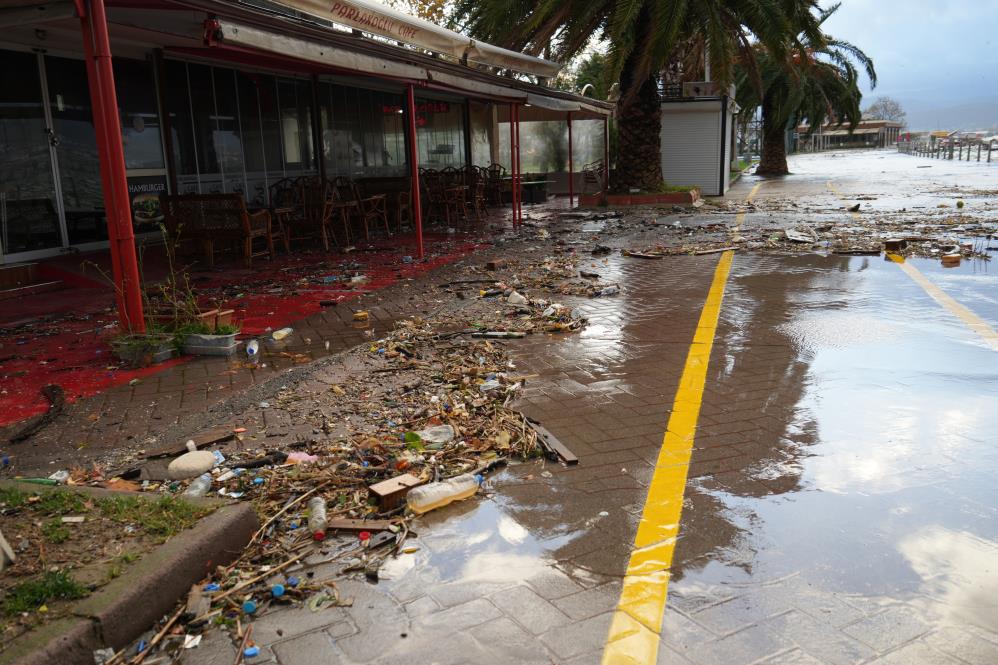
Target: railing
949 149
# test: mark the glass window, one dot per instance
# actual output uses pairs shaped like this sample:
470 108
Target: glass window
227 136
363 132
202 99
28 217
177 104
136 91
296 125
481 133
254 156
440 133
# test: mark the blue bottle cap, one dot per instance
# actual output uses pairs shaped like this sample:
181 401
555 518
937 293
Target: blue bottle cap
250 652
292 581
249 607
277 590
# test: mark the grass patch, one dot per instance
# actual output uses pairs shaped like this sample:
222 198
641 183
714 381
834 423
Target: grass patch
163 518
29 596
60 502
55 531
12 498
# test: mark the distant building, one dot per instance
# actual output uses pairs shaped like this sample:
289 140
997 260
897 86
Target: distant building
868 133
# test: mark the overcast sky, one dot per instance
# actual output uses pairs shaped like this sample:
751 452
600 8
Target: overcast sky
939 58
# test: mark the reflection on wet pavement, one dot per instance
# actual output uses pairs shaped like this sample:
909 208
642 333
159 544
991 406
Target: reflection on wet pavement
872 497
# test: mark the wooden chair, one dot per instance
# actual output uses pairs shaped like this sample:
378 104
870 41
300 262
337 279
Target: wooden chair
495 182
432 184
593 177
317 209
368 208
286 210
209 218
455 191
476 176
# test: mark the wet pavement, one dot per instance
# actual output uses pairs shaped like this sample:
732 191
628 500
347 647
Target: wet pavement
838 505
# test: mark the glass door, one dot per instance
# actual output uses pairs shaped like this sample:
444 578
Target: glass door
29 202
76 149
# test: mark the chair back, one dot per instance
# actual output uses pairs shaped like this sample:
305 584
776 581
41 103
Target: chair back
204 214
316 199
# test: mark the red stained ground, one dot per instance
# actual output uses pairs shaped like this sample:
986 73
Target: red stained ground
62 336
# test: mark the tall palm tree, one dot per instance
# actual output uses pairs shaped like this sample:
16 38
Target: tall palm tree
815 80
645 37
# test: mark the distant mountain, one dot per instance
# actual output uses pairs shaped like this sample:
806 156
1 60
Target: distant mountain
981 115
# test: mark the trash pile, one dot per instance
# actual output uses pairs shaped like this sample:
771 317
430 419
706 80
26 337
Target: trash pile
419 426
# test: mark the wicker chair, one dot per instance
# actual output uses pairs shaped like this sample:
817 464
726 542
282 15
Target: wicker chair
210 218
368 208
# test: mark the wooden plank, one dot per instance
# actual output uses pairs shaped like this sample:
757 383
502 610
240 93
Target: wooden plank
551 443
201 440
346 524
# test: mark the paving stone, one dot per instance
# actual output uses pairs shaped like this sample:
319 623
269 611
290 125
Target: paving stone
215 649
820 640
890 628
284 624
421 606
509 643
553 583
529 609
965 645
745 646
460 617
792 657
590 602
916 653
578 638
743 611
309 649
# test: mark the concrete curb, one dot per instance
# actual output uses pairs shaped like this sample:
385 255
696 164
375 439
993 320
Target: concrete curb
129 605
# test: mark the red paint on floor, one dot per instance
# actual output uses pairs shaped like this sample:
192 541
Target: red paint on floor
62 337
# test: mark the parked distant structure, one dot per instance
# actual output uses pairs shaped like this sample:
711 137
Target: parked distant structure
869 133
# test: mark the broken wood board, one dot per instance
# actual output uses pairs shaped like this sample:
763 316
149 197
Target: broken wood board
551 443
391 492
346 524
201 440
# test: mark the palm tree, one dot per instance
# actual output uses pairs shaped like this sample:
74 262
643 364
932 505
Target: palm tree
645 37
813 81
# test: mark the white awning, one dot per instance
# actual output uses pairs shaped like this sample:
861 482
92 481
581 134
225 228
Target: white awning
382 20
240 34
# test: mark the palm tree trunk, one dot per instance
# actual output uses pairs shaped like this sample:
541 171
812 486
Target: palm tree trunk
639 128
773 160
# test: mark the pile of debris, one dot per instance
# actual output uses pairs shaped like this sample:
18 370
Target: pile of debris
420 426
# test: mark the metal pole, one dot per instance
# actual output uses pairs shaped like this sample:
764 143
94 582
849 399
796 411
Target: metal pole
512 164
519 173
117 205
606 154
417 208
571 165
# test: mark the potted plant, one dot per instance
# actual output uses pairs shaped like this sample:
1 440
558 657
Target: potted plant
143 350
200 340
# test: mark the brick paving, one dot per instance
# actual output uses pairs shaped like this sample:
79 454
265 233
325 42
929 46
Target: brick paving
839 505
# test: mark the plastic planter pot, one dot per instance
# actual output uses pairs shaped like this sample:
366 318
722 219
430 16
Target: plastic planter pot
210 345
143 350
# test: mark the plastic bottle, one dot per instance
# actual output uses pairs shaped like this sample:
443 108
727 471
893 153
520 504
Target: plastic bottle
199 486
436 495
317 517
278 335
253 348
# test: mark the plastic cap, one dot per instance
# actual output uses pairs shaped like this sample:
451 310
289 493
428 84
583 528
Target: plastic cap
249 607
277 590
319 535
364 535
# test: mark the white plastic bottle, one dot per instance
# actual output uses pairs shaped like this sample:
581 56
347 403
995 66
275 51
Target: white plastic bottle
317 517
252 349
431 496
278 335
199 486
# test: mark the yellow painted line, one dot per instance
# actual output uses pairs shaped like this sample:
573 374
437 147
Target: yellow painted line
737 234
971 320
637 623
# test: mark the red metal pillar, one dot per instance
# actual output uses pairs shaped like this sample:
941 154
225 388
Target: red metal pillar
117 205
417 208
512 162
571 165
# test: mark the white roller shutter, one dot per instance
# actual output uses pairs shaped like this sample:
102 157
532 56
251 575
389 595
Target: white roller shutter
691 144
